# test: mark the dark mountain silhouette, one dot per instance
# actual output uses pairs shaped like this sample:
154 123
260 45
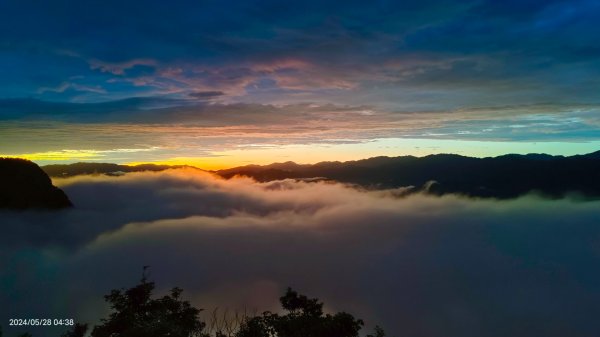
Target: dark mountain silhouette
502 177
24 185
69 170
505 176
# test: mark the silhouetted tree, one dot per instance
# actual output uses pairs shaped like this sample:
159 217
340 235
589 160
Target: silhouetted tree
78 330
137 314
226 323
378 332
304 318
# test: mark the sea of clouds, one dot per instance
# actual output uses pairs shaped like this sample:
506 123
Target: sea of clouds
417 265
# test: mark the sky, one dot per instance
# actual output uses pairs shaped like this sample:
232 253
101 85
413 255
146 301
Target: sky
219 84
417 266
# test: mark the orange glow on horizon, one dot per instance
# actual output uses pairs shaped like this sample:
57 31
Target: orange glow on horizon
303 153
205 163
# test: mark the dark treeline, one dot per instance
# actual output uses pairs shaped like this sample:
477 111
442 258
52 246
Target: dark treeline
135 312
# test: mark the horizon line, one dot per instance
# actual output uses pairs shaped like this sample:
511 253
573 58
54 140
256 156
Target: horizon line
166 163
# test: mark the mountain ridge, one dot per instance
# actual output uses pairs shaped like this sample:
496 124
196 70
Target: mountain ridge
505 176
83 168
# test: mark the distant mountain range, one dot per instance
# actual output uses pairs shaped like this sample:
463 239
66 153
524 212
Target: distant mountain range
500 177
24 185
70 170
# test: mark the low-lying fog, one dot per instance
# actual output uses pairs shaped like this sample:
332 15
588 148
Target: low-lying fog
417 266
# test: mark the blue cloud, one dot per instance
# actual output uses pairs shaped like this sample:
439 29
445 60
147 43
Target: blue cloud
367 50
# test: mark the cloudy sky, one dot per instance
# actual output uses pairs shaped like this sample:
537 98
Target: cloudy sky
218 84
418 266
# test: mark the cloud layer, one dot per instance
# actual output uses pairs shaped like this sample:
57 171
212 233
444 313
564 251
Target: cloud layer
523 71
418 266
158 129
431 54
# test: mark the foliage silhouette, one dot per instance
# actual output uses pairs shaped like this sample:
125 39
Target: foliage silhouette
378 332
78 330
304 318
137 314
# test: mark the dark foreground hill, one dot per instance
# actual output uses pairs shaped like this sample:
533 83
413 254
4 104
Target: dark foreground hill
505 176
24 185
